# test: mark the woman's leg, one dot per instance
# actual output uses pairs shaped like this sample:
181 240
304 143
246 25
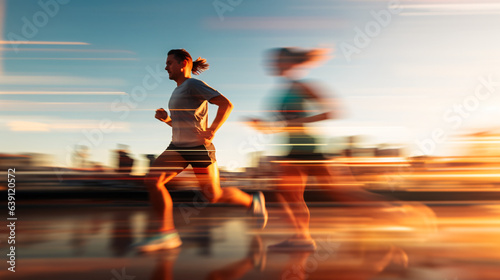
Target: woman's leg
207 172
346 191
209 180
291 189
165 167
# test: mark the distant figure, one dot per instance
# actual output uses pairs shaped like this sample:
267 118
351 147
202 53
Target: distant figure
151 159
80 156
191 145
125 162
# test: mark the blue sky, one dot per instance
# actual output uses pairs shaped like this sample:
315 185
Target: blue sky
427 59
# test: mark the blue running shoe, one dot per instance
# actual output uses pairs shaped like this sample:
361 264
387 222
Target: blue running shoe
259 209
162 241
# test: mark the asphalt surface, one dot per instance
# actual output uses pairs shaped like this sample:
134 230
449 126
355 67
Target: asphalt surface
85 239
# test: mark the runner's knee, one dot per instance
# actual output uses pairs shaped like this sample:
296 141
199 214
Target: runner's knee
213 195
152 180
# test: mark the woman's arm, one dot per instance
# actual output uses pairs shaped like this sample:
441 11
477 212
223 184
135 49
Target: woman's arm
225 108
266 127
327 106
163 116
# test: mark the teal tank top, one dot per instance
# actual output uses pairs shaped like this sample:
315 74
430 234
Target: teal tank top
292 105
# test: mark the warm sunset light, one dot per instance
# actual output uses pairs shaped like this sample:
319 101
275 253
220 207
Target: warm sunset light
237 139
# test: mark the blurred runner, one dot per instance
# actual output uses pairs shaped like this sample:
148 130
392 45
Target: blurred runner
191 145
294 110
298 105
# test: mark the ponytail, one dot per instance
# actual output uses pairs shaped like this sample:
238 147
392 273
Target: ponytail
298 56
199 65
318 55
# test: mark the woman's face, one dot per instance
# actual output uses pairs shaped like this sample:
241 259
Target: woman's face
279 66
173 67
285 68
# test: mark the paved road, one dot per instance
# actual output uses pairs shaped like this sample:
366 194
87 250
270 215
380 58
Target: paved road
84 240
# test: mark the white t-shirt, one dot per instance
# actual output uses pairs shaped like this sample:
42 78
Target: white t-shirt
189 112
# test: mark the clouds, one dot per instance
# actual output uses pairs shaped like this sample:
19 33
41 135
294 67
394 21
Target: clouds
62 93
49 124
30 106
28 126
14 42
451 9
53 80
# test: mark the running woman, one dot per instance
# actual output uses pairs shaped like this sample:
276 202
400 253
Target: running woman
191 145
297 106
304 157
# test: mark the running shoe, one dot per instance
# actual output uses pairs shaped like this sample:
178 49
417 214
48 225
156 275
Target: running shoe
162 241
294 245
259 209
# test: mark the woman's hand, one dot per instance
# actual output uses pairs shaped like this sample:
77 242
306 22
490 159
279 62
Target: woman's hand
208 136
254 123
266 127
161 115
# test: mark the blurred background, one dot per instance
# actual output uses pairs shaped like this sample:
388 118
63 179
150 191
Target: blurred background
418 84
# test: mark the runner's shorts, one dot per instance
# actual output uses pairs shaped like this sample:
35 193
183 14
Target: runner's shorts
198 156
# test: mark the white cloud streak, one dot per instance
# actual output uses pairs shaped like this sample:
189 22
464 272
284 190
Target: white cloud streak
451 9
28 106
62 93
41 43
58 80
56 125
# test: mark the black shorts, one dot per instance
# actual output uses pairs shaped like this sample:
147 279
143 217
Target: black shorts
303 147
198 156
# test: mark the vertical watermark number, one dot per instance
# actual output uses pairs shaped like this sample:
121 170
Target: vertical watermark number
11 218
